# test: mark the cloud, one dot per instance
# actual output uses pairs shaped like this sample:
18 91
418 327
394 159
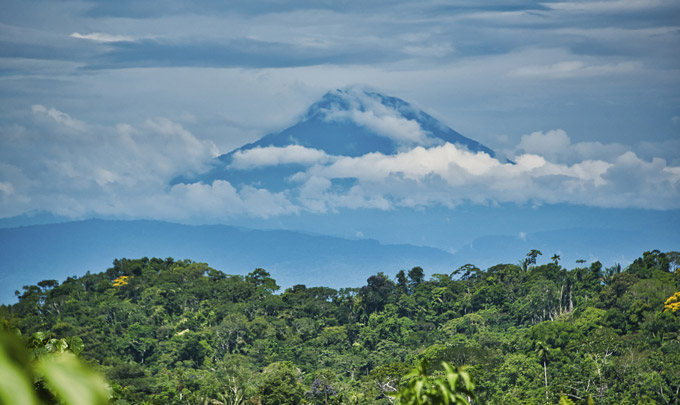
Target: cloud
549 144
570 69
62 164
272 156
244 52
60 117
557 146
666 150
413 164
397 128
6 188
244 69
367 110
446 175
126 171
604 6
102 37
221 200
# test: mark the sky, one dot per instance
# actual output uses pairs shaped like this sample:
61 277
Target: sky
103 103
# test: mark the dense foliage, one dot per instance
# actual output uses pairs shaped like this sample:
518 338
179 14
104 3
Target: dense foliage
167 331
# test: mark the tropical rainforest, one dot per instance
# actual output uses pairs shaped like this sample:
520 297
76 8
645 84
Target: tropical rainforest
165 331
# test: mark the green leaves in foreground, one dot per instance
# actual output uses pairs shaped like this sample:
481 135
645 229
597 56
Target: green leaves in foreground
69 380
16 380
47 372
455 387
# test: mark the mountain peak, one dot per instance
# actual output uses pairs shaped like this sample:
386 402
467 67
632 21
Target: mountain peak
349 122
356 98
384 116
356 120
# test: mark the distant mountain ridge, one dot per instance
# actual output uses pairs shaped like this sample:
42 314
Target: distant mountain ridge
32 253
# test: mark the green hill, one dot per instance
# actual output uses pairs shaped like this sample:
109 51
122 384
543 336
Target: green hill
166 331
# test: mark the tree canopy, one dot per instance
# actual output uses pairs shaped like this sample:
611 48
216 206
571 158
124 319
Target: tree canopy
176 331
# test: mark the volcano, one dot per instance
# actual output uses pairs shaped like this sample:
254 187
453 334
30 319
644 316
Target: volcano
348 122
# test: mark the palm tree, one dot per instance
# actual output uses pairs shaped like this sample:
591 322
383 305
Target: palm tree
555 258
530 259
542 353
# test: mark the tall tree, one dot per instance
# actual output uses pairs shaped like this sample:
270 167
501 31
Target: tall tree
530 260
555 258
542 353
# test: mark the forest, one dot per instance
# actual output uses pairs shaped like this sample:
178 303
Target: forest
166 331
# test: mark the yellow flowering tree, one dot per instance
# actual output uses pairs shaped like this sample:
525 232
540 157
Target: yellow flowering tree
121 281
672 304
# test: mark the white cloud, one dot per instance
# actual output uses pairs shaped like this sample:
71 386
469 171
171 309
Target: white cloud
413 164
400 129
220 199
60 117
665 149
449 176
549 144
84 168
604 6
367 111
6 188
102 37
272 156
573 69
556 146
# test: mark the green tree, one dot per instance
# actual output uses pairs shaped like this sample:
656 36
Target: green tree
280 385
530 259
417 276
542 351
262 280
323 390
376 293
555 258
453 387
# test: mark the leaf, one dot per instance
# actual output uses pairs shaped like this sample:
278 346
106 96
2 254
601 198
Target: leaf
16 386
469 386
76 345
72 382
444 390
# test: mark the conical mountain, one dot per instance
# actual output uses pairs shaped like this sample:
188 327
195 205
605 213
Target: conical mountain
349 122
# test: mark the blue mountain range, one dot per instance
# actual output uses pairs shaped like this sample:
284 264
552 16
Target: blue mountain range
32 253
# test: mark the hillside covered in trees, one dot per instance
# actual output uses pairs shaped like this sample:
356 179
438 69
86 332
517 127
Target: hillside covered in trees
167 331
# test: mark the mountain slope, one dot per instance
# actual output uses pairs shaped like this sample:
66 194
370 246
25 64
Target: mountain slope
340 124
351 122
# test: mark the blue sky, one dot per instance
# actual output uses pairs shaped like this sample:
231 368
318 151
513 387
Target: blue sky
102 102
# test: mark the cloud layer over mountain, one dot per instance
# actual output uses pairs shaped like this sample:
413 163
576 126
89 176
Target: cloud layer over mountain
62 164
